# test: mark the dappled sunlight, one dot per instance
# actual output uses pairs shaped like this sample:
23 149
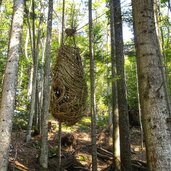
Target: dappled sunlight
84 158
66 70
17 165
86 120
138 152
138 148
26 155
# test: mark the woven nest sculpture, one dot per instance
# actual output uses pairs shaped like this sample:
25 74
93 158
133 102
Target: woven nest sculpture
69 90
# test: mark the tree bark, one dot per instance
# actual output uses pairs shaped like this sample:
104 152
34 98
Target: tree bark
125 151
36 110
152 89
63 21
92 101
34 81
26 44
10 82
46 91
37 101
164 46
0 4
41 82
169 5
59 147
115 113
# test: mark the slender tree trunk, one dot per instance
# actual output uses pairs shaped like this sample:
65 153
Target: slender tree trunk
60 124
37 56
31 45
0 5
32 108
153 97
139 111
59 146
30 83
46 91
36 110
115 113
34 81
92 101
26 44
109 105
63 21
160 33
29 27
10 82
41 84
121 87
169 5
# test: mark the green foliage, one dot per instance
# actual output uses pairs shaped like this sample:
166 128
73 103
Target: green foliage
52 150
5 22
163 1
131 81
20 119
82 158
84 124
74 14
102 120
164 24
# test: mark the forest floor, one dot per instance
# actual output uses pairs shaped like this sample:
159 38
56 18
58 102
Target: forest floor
75 157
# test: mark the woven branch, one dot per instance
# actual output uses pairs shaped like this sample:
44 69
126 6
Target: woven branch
69 90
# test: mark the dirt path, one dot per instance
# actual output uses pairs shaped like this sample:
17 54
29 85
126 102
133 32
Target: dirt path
25 156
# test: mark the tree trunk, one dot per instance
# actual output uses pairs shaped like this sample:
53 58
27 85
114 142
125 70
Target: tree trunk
0 4
36 116
153 97
169 5
41 82
34 81
92 101
37 89
115 113
121 87
63 21
59 147
139 111
30 70
46 91
26 44
10 82
164 46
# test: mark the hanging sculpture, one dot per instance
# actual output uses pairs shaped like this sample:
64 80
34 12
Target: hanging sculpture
69 90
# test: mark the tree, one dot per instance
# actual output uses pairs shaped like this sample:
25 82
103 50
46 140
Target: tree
60 123
152 89
163 32
46 91
39 83
116 141
34 81
121 88
5 22
92 89
10 82
59 147
0 3
63 22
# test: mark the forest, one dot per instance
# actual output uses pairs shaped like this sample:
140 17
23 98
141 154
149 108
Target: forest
85 85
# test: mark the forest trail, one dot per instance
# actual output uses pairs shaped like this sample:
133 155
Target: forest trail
77 156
